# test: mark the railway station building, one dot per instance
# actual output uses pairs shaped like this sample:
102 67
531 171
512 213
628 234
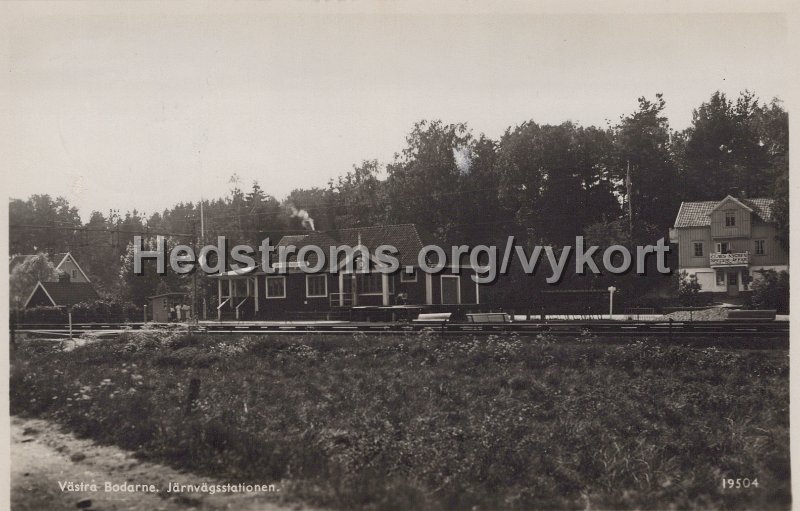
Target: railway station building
252 293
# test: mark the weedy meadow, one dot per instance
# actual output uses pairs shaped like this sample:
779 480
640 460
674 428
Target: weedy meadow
420 421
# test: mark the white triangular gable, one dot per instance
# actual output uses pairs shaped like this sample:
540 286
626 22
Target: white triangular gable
69 256
358 253
730 198
37 286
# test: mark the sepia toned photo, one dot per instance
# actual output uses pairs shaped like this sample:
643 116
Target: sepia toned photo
394 256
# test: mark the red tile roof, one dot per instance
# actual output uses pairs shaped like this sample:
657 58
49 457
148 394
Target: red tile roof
697 214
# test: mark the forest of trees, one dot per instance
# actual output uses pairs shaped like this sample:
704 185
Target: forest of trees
545 184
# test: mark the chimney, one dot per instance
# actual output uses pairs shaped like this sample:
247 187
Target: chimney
739 193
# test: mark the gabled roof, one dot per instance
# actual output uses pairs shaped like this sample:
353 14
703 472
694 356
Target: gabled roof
163 295
403 237
698 214
66 293
736 201
69 255
314 238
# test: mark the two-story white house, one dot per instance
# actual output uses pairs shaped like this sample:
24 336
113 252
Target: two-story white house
725 243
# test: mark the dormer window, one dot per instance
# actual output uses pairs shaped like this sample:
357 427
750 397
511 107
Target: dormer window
730 219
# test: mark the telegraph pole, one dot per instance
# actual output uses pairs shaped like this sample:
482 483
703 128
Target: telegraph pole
202 240
194 274
629 186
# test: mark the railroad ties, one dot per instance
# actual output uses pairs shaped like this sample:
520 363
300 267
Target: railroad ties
599 328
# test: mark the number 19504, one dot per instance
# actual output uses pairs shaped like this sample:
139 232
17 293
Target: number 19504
728 483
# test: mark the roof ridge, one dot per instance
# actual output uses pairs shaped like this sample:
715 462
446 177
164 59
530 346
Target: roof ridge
410 224
696 213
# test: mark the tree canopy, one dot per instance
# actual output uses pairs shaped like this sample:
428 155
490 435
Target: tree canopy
544 183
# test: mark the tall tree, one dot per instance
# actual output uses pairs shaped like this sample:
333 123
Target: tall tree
137 287
733 147
771 122
359 197
425 181
646 173
555 179
25 275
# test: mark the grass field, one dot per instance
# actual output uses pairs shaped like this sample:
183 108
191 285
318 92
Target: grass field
420 422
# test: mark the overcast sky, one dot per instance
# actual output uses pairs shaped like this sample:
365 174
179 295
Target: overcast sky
136 107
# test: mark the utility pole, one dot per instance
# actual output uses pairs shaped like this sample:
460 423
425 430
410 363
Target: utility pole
628 187
202 222
203 240
194 275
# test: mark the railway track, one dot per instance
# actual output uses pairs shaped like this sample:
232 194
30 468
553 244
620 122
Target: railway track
674 329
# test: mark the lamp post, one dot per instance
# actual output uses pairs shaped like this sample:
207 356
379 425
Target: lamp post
611 290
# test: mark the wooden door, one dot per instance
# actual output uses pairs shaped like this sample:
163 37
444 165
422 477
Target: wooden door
733 283
451 294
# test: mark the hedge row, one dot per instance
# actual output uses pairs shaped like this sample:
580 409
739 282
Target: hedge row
98 311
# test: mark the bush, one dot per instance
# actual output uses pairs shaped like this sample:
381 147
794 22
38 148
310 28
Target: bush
689 289
45 314
771 291
105 311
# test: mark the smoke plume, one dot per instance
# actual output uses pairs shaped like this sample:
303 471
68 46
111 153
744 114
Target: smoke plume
463 158
303 215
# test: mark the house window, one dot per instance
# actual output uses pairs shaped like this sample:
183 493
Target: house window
760 247
371 284
730 219
720 278
698 248
722 248
408 277
733 279
74 274
276 287
316 286
239 288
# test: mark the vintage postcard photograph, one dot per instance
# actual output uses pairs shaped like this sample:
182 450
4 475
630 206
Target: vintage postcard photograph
273 256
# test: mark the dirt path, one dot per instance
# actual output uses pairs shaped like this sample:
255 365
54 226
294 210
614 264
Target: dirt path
42 456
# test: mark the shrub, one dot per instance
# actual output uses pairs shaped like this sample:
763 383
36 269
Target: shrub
102 311
771 291
688 289
45 314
